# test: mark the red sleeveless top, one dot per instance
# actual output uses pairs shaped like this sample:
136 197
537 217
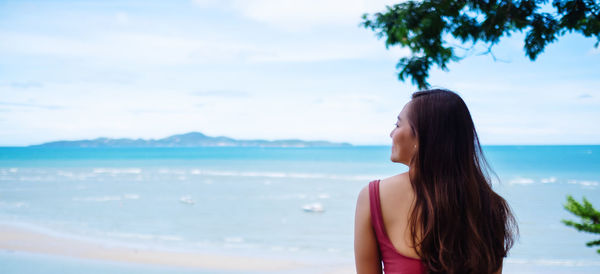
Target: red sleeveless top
393 261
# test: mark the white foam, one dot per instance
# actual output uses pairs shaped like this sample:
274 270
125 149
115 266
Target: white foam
584 183
196 172
19 204
35 178
13 205
140 236
234 239
268 174
98 199
117 171
323 196
521 181
170 238
172 171
552 262
131 196
107 198
65 173
548 180
187 200
588 183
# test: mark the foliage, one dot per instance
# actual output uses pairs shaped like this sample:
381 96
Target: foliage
422 25
590 218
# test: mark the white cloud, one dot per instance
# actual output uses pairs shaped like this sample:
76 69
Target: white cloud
122 18
138 74
134 112
314 51
208 3
304 15
141 43
122 48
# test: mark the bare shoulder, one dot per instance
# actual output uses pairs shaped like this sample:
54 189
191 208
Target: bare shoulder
363 207
397 197
363 196
397 185
366 252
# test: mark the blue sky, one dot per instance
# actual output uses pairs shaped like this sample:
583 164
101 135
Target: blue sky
268 69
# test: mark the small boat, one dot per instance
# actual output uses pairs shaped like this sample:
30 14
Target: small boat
314 207
187 200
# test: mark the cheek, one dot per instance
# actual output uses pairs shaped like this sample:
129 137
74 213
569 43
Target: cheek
397 139
404 142
400 138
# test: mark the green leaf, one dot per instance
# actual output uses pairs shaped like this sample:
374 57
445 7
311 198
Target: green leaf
422 26
589 218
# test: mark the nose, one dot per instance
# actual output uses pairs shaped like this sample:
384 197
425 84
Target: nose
392 133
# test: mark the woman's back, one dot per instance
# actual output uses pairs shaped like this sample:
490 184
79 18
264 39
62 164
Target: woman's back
397 254
444 210
382 232
396 199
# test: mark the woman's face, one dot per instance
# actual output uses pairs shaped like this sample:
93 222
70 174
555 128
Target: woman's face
404 141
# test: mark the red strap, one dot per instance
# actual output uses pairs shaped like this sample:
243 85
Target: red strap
376 218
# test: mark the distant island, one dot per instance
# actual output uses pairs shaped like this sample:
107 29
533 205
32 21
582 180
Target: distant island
191 139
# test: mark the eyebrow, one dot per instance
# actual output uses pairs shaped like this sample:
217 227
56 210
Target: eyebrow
399 117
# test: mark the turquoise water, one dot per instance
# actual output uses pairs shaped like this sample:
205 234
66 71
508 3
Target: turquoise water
250 200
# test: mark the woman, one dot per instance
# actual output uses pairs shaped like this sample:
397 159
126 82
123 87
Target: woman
441 216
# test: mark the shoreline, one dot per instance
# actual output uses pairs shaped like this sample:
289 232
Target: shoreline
13 238
16 239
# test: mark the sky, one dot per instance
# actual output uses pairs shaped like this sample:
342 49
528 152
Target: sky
264 69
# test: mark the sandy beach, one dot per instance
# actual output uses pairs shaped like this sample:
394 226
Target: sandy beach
15 238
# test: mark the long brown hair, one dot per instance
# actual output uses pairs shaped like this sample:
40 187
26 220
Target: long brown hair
458 223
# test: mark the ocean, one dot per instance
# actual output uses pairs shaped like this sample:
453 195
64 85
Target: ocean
290 203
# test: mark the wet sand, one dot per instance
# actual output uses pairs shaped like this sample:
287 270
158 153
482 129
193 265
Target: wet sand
19 239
